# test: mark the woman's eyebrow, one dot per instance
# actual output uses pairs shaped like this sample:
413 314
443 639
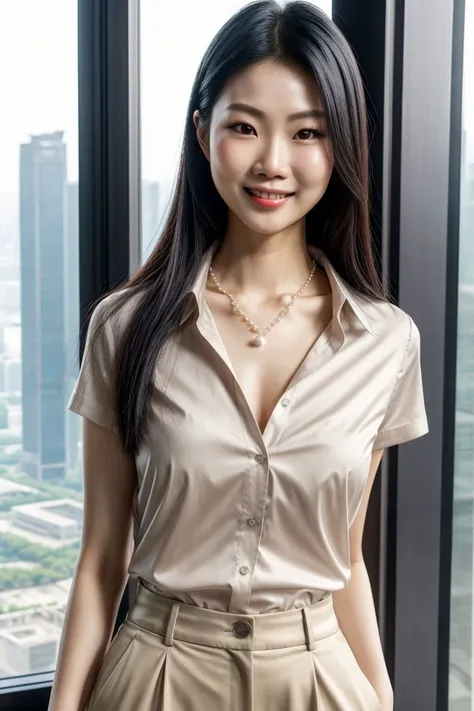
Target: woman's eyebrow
309 113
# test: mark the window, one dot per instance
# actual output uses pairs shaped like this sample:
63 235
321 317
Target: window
40 477
166 82
461 695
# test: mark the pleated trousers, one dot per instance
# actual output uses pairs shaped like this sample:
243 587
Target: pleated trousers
170 656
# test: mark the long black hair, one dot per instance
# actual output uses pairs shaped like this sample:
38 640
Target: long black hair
300 34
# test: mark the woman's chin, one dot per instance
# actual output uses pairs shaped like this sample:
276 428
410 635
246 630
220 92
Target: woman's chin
265 224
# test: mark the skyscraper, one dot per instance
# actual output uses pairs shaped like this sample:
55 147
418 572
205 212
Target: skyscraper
42 254
72 316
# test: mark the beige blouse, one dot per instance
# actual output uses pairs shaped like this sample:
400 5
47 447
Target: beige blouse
233 520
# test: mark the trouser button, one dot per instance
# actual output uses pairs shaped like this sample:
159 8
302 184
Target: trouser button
242 629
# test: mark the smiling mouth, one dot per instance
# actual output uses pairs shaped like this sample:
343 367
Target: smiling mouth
266 195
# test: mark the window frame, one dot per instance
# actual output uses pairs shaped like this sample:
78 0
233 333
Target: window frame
418 234
427 243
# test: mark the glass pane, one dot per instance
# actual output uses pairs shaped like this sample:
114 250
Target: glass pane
461 697
166 83
40 481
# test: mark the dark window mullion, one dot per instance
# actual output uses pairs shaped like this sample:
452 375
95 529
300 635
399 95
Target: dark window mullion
365 31
109 157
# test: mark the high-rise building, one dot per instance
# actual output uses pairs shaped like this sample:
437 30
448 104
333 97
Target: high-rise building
42 254
10 375
72 316
13 376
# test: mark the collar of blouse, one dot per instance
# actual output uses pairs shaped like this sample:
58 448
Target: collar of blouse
342 293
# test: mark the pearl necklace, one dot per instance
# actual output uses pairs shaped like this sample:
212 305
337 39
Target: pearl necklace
260 339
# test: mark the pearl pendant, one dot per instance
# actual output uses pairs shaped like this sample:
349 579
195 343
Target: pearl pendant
259 341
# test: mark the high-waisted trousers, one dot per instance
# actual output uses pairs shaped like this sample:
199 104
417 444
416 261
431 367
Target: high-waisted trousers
170 656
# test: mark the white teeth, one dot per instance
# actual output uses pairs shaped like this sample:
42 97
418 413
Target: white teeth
267 196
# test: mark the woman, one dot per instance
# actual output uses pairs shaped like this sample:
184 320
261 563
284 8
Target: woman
238 394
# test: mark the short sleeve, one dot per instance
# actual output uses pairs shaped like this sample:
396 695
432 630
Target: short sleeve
93 396
405 418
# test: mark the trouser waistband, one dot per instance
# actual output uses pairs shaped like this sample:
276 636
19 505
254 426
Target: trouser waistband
275 630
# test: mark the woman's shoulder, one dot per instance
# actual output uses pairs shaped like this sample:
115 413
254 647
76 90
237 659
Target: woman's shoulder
117 306
388 320
112 313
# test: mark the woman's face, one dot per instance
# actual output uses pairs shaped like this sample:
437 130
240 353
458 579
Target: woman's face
268 134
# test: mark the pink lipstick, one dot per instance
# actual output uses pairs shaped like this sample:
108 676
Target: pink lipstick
268 202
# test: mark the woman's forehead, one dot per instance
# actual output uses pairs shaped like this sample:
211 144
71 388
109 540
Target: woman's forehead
271 86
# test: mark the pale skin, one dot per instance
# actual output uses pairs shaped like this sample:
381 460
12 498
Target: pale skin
262 260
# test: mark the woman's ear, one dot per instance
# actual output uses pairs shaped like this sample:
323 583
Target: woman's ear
202 136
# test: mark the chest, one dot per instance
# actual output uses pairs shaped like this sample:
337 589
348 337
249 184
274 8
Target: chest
265 373
215 398
211 401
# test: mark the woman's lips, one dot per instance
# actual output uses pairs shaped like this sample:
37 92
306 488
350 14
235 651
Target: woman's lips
265 199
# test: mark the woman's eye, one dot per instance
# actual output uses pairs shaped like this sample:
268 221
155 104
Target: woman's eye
244 128
307 133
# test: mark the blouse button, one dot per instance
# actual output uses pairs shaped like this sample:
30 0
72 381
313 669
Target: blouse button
285 402
259 458
251 522
244 570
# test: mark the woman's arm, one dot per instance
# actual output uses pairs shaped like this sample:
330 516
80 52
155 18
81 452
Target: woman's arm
355 610
101 571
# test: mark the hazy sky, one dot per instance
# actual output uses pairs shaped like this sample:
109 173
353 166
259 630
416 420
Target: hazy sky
38 60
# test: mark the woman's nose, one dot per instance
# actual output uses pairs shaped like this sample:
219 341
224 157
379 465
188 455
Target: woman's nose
272 160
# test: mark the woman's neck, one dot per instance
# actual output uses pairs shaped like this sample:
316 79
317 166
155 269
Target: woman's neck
261 266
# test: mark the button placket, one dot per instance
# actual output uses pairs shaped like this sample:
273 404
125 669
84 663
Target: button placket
280 417
249 531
